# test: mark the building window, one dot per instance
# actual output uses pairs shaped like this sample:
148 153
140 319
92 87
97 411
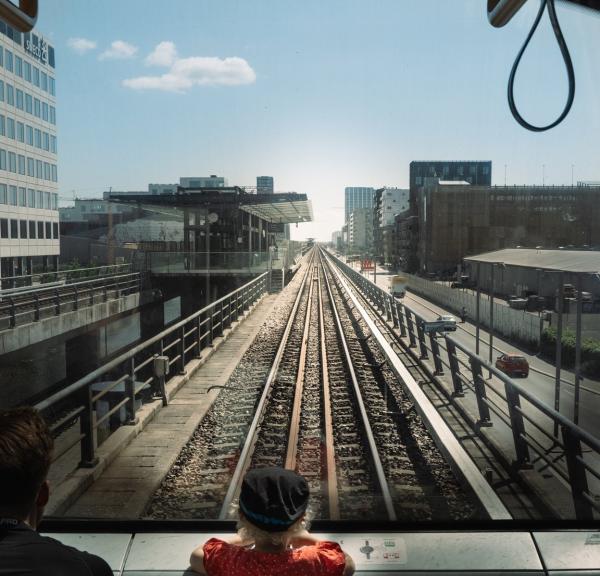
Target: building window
31 197
46 172
30 167
55 230
8 60
2 125
10 95
27 69
486 170
23 228
1 90
47 200
12 163
20 132
46 141
52 85
3 195
54 173
19 99
36 76
40 230
12 195
48 230
39 173
44 111
1 56
36 107
22 197
53 144
32 229
21 163
29 135
14 228
2 159
38 138
54 201
52 115
10 128
18 66
3 228
28 103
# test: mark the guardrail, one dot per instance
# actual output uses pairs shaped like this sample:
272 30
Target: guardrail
122 382
499 401
38 303
41 279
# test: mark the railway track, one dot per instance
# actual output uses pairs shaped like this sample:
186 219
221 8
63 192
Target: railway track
327 407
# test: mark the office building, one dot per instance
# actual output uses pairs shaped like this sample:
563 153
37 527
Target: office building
264 185
360 230
457 220
29 233
387 202
357 197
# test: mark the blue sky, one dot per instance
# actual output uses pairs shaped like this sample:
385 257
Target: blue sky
319 94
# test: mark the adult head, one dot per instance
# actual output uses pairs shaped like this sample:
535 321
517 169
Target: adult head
25 456
273 503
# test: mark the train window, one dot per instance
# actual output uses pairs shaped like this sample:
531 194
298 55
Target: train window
306 235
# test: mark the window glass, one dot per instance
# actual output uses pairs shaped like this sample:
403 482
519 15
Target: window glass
28 103
19 66
30 167
1 90
32 230
12 162
54 201
12 195
46 171
3 165
40 230
27 71
8 60
3 194
45 111
47 200
2 125
39 199
23 228
1 56
3 226
29 135
52 85
53 144
52 115
36 107
54 173
44 82
21 164
20 132
48 230
10 128
30 197
55 230
39 173
38 138
10 95
14 229
22 196
36 76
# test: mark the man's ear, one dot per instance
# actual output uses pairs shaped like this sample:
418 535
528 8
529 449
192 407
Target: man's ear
43 494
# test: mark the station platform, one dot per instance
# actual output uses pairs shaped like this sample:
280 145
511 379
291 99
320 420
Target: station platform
134 472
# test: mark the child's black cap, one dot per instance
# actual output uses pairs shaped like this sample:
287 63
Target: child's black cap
273 498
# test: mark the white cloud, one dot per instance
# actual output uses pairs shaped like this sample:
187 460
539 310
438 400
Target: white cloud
195 71
164 54
81 45
119 50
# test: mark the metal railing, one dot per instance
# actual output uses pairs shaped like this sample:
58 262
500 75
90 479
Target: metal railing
573 459
204 262
121 383
9 284
18 308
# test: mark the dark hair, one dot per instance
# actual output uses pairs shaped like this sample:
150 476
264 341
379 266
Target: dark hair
25 456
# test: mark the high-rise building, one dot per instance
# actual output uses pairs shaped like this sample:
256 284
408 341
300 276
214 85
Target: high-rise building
360 230
264 185
29 231
387 203
357 197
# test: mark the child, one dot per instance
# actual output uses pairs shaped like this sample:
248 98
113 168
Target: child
272 539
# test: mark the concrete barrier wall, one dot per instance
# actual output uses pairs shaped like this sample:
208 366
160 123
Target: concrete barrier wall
513 324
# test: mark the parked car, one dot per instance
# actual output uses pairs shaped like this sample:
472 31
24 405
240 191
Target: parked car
449 322
513 365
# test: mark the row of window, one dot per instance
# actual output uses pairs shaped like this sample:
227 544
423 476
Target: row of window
27 71
28 229
27 102
28 197
25 165
16 130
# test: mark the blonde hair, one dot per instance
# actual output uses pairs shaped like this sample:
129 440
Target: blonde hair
250 532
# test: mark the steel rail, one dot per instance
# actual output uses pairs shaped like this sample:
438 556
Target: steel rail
377 464
333 498
248 448
294 430
454 452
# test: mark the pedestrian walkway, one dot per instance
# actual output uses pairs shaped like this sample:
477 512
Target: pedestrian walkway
127 484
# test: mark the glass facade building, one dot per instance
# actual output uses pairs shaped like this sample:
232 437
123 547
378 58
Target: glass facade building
357 197
29 231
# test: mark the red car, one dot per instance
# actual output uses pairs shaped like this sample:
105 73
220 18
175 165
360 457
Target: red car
513 365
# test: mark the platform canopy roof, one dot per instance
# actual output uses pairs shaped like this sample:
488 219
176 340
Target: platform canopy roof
281 207
565 260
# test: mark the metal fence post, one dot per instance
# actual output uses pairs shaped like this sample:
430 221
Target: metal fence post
411 328
130 392
517 425
577 474
199 336
479 384
182 350
57 302
86 427
211 334
400 314
454 369
422 345
435 349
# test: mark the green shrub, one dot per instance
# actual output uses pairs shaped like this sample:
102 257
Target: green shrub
590 351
